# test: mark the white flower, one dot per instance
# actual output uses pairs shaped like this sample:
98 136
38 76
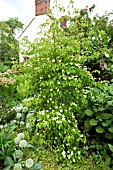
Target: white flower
106 55
54 118
67 144
28 125
74 130
25 109
56 107
42 112
13 122
18 109
93 23
17 166
78 152
64 154
17 140
74 104
71 153
69 156
82 136
5 126
63 118
61 110
60 61
58 113
48 116
19 115
29 163
1 126
93 38
58 121
73 160
23 144
21 135
18 153
75 125
29 115
22 123
75 148
53 60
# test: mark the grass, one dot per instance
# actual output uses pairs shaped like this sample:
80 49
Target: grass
48 161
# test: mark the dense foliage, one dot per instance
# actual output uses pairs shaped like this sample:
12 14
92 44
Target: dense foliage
62 98
9 46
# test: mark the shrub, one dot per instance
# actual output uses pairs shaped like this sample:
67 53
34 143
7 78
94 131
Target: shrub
3 67
59 129
61 80
60 76
98 120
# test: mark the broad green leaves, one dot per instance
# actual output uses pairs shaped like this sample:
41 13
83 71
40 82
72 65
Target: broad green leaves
110 147
93 122
99 129
89 112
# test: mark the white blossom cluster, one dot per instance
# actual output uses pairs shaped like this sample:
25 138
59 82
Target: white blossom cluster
18 153
17 166
72 155
29 99
29 163
19 140
20 109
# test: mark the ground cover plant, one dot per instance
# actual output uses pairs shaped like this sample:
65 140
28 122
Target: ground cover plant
60 102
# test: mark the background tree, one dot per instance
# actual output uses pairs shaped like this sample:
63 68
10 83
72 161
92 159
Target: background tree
9 46
105 22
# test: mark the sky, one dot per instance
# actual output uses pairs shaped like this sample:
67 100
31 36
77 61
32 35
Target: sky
25 9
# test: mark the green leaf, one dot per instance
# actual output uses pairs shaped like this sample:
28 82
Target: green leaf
104 124
7 168
107 116
110 147
1 153
99 129
110 103
101 109
93 122
109 135
89 112
31 146
96 71
36 166
8 161
111 129
108 161
41 147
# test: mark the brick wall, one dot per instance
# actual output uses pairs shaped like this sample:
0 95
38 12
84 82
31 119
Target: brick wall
41 7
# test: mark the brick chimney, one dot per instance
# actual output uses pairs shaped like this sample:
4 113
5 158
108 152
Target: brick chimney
41 7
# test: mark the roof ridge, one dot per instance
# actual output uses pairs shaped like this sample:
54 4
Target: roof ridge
26 27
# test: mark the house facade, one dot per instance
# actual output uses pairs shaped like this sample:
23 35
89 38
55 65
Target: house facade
41 9
30 32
